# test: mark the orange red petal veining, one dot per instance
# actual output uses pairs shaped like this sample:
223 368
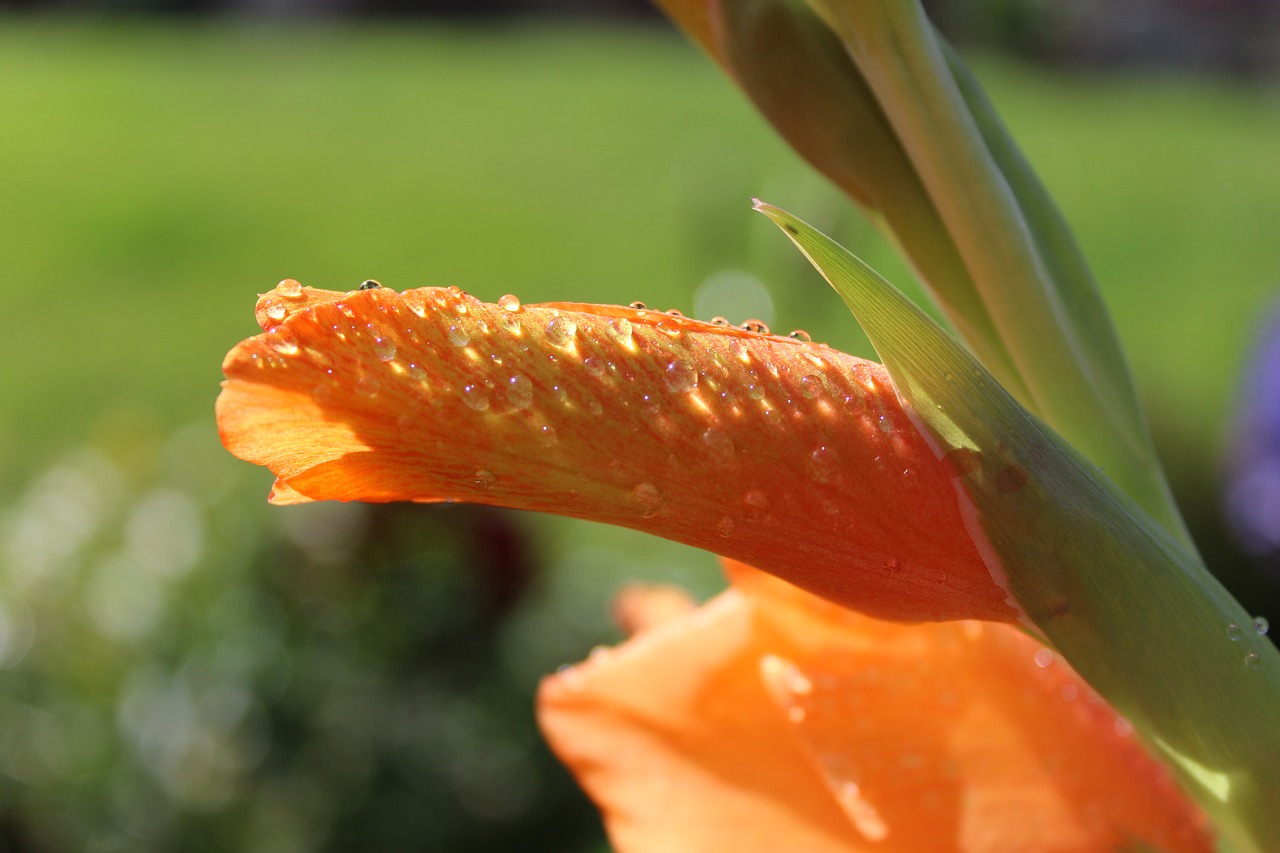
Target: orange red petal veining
770 720
784 453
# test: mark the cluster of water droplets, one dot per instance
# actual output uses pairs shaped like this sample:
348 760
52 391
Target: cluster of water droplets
498 380
1252 660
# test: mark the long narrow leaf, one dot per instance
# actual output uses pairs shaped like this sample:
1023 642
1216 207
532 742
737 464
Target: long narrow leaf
1132 609
1044 303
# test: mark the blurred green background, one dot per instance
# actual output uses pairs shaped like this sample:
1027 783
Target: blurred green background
184 668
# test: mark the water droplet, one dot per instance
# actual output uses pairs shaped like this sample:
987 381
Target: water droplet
346 310
801 335
284 341
646 499
416 372
824 464
485 479
639 306
275 309
885 423
755 392
519 391
476 396
1233 632
547 435
289 289
757 326
594 365
620 330
720 321
1252 660
370 284
595 408
681 377
1044 657
367 386
509 302
1069 692
560 331
560 393
458 335
757 504
415 301
725 527
1261 626
811 385
719 444
509 323
384 348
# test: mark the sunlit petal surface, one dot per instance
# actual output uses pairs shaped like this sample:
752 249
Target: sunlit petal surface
770 720
782 452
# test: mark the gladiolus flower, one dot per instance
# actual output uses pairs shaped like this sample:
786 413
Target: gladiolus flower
770 720
777 451
787 721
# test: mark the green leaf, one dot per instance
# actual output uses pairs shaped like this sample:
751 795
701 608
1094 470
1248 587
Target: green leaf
1013 241
1132 609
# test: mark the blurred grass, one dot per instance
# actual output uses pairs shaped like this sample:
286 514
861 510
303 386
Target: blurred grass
157 176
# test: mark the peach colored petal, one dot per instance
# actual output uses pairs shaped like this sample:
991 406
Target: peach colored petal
641 607
786 453
755 721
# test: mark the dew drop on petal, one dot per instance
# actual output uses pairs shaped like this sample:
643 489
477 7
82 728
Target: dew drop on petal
367 386
646 499
275 310
509 302
594 365
547 435
1233 632
823 464
476 396
756 502
458 335
620 330
681 378
1252 660
810 386
1261 626
283 341
639 306
519 391
725 527
755 392
485 479
560 331
415 301
719 444
757 326
384 348
801 335
1044 657
595 407
509 324
289 288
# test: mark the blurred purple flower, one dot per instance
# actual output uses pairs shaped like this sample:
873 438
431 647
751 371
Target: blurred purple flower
1252 499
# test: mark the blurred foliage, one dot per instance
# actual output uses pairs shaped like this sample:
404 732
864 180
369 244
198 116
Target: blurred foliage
185 668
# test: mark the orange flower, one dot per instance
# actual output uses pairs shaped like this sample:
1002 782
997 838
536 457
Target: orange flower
770 720
781 452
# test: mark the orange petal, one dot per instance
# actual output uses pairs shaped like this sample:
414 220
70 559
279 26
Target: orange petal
642 607
785 453
770 720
